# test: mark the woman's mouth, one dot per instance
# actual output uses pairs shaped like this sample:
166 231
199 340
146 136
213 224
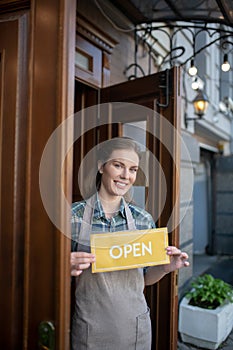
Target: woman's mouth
120 184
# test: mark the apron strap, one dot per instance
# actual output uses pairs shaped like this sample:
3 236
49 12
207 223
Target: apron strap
129 217
85 228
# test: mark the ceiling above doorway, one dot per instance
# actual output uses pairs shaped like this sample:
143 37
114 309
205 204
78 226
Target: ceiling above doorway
208 11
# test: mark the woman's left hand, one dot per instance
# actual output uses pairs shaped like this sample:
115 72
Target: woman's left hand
178 259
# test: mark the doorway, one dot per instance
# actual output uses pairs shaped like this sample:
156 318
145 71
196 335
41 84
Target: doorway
202 198
142 93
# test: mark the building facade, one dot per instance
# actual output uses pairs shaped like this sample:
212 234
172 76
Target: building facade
206 138
58 58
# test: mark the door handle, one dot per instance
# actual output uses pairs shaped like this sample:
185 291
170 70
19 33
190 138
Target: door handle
46 332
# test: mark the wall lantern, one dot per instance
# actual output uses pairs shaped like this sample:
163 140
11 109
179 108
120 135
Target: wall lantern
200 104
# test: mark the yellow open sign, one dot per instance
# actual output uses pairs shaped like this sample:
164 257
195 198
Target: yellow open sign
129 249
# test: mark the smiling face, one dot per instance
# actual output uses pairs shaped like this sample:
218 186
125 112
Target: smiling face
118 173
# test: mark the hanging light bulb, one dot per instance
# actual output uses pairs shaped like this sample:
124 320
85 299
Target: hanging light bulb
195 84
226 65
192 68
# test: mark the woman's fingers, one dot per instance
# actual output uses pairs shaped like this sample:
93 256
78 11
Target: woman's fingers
80 261
175 251
81 257
178 259
184 255
76 273
76 256
77 270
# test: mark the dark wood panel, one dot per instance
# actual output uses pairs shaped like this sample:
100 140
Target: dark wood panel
12 179
92 73
8 6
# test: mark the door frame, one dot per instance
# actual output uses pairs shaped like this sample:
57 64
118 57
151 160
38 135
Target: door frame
48 36
50 104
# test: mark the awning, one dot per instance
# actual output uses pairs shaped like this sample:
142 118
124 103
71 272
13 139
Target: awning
148 11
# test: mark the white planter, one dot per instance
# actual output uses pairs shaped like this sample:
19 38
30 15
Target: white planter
202 327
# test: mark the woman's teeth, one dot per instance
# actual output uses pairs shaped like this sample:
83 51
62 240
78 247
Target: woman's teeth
120 184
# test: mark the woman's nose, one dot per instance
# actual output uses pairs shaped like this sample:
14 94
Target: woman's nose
125 173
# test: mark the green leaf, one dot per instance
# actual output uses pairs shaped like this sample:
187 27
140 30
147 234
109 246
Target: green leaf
209 292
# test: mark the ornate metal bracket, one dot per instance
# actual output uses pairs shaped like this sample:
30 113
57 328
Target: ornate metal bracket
148 34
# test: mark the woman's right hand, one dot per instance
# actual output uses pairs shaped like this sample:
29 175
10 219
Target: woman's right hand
80 261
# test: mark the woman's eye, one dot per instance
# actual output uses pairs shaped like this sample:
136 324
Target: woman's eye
117 165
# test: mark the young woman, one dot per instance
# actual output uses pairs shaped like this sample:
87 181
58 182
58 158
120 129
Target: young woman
110 308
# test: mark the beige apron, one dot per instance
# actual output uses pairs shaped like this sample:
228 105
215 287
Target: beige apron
110 309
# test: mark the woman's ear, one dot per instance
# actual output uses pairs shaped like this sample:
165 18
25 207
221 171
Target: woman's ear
100 166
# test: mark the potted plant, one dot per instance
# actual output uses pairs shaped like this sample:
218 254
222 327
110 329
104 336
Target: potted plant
206 312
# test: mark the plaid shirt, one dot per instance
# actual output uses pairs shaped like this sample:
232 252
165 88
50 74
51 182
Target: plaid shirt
143 220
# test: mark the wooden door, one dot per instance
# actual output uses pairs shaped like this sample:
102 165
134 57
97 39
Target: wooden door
37 45
161 93
12 185
86 98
